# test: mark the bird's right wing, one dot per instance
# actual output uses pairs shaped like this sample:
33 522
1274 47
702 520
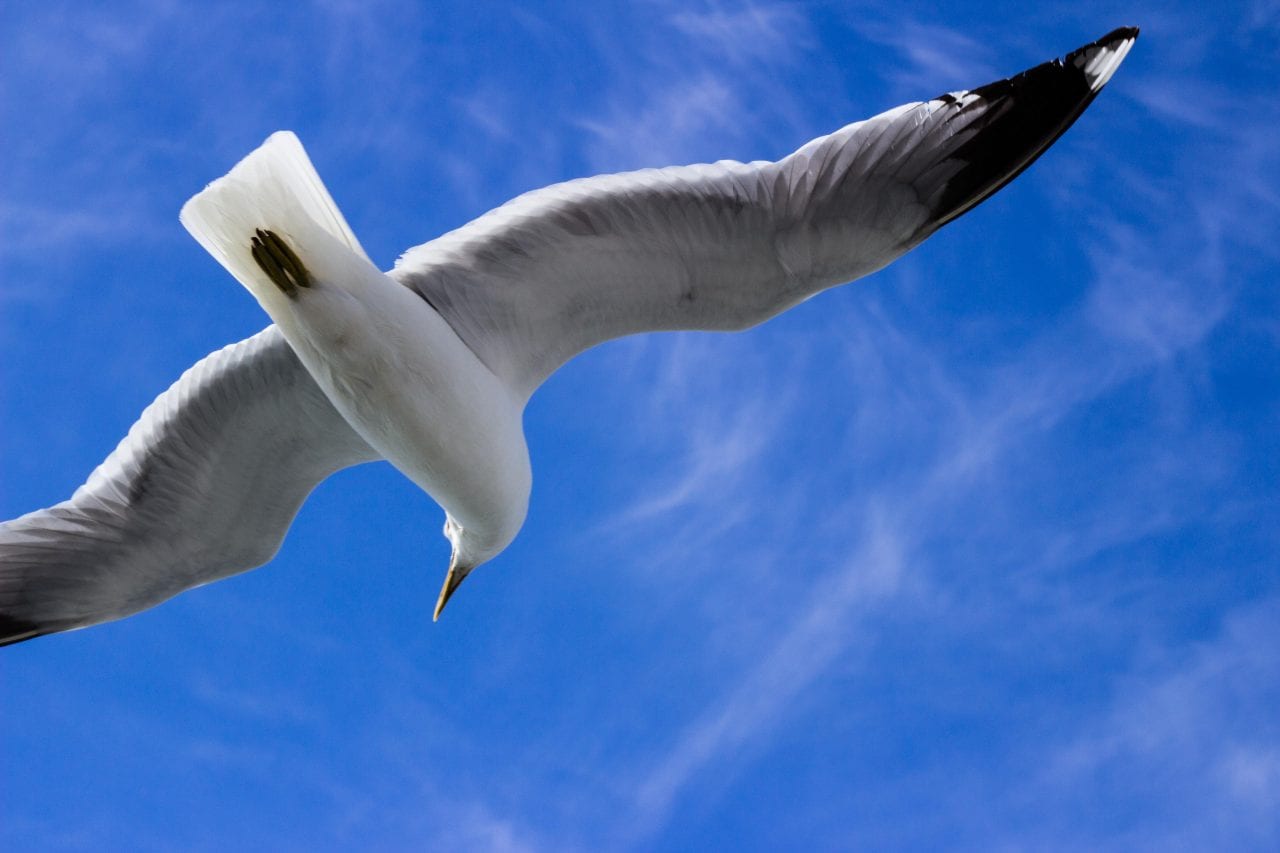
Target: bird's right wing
204 486
728 245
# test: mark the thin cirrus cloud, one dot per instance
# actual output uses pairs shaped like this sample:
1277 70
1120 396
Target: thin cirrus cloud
928 54
1192 738
1140 313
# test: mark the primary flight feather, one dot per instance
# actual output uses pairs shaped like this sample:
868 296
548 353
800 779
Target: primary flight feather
430 365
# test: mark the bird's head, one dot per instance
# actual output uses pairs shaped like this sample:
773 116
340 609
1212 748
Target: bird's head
469 551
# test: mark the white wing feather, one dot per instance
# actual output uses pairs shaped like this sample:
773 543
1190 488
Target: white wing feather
728 245
204 486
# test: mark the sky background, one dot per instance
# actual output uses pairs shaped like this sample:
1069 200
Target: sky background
980 552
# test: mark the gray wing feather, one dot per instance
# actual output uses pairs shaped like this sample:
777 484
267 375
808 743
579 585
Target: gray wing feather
729 245
205 485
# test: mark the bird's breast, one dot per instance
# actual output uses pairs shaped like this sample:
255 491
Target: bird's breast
395 369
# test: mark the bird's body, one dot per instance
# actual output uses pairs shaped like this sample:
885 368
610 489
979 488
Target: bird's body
404 380
430 366
391 365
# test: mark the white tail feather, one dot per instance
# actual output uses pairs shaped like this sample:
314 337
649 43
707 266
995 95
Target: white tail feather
275 187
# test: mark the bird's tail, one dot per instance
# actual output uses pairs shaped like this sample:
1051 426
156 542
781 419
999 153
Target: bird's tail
272 200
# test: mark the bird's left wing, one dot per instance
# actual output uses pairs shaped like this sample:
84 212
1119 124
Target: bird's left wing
204 485
728 245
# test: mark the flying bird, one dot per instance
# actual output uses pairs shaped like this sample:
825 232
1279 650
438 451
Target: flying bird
430 365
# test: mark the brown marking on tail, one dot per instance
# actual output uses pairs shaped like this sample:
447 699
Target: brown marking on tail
281 264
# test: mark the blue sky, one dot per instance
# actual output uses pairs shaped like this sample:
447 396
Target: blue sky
979 552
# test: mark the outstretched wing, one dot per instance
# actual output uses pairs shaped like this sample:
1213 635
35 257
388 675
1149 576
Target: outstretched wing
728 245
204 486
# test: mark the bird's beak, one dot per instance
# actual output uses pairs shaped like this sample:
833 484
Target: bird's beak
451 582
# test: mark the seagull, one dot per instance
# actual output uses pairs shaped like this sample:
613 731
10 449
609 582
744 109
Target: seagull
430 365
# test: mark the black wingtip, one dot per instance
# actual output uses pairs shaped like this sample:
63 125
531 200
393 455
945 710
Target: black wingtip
1117 35
1023 116
14 630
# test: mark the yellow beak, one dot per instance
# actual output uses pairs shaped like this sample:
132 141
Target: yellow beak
451 582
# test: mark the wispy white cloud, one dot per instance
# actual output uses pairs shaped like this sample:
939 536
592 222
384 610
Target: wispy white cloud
746 33
716 458
1140 302
702 492
663 129
473 827
39 232
824 628
1187 101
1156 297
931 55
1263 17
279 708
1194 738
717 91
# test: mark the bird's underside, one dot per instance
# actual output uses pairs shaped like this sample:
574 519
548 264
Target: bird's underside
207 482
